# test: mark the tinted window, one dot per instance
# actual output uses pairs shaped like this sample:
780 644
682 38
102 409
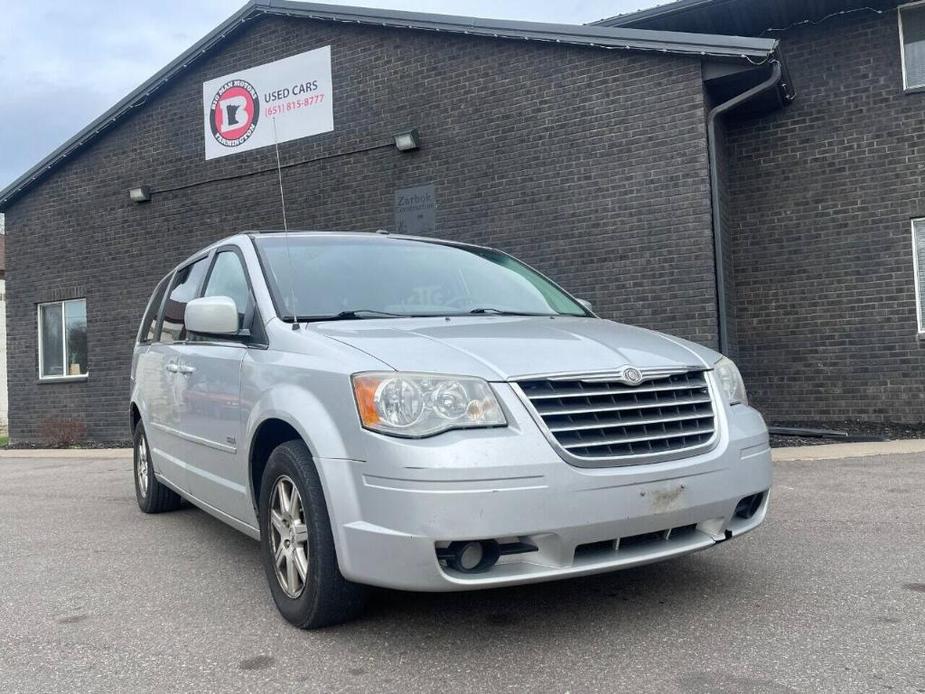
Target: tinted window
185 285
325 275
228 279
149 322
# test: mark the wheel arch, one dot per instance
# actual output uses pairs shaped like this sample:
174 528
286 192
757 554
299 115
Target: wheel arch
134 417
268 434
289 411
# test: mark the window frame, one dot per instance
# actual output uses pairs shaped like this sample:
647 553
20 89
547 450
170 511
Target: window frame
913 89
41 339
257 337
920 318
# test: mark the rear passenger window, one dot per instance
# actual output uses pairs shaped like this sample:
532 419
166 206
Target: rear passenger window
185 285
229 279
149 322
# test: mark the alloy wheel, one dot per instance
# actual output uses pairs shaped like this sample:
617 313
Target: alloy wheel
288 537
141 466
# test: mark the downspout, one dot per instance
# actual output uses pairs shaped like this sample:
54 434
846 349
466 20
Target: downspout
718 241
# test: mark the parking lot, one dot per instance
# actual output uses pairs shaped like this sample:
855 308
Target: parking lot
829 596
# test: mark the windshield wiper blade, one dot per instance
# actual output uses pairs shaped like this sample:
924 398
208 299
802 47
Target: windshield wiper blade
353 314
502 312
360 313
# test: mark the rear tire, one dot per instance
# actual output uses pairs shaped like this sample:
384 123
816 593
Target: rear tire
152 496
297 546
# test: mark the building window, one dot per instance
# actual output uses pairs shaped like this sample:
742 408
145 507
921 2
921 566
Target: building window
918 256
63 339
912 35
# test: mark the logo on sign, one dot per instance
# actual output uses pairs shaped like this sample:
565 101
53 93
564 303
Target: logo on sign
234 113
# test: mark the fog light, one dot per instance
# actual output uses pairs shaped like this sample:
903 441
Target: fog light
748 507
472 557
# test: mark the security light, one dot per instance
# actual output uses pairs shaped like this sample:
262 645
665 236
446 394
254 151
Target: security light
407 140
140 194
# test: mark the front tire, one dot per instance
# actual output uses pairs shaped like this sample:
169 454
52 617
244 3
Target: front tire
152 496
297 546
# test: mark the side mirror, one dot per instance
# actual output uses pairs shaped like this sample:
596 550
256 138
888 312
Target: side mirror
586 304
212 315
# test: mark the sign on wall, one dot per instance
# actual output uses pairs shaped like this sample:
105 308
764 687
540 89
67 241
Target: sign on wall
280 101
416 210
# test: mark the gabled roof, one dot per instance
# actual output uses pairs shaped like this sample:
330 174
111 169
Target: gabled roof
724 47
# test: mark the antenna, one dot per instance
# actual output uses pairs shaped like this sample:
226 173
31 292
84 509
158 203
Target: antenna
282 200
279 174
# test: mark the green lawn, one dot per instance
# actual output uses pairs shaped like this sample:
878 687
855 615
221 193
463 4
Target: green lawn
4 440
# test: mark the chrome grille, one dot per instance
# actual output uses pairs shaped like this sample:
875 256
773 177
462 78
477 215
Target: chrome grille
597 419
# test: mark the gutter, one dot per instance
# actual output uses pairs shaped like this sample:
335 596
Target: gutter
718 239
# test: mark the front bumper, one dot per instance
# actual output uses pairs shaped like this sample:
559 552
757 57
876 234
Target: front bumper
390 512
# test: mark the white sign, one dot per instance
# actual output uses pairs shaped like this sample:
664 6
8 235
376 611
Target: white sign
276 102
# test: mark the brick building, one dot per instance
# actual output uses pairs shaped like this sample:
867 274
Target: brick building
586 151
822 201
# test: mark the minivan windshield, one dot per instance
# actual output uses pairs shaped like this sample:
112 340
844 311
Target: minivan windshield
353 277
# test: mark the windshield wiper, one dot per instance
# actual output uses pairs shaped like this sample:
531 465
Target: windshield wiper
502 312
353 314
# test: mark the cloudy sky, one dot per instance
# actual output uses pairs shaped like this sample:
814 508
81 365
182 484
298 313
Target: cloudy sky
64 63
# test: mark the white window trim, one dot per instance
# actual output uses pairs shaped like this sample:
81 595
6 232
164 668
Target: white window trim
902 45
918 287
38 317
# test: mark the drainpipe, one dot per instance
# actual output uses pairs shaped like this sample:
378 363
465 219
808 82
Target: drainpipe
715 112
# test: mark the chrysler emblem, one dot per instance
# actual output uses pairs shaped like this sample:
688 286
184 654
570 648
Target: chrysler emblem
632 376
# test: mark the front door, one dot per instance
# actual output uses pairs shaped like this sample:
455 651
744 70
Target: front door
209 368
166 428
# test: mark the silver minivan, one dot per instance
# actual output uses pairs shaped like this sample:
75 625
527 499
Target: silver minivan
380 410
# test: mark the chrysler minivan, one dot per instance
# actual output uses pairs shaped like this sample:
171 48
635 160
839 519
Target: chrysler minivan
426 415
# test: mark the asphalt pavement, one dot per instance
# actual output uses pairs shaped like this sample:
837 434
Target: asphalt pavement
827 596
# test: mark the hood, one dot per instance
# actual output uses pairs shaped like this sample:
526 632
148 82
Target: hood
508 347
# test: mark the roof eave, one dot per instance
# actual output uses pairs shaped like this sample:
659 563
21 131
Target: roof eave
600 36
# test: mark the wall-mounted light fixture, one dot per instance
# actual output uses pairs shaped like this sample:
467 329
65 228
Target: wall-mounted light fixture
140 194
407 140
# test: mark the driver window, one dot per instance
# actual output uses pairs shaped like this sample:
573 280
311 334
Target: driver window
229 279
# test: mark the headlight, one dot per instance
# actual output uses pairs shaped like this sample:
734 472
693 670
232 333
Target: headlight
418 405
731 381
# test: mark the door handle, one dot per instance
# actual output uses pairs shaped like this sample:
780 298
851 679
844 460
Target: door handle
172 367
186 370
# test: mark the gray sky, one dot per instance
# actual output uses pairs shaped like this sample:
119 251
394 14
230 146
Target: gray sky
64 63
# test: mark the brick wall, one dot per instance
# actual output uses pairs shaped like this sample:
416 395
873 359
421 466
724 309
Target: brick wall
589 164
821 196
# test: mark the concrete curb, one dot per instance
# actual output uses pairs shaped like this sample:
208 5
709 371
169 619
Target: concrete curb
84 453
848 450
